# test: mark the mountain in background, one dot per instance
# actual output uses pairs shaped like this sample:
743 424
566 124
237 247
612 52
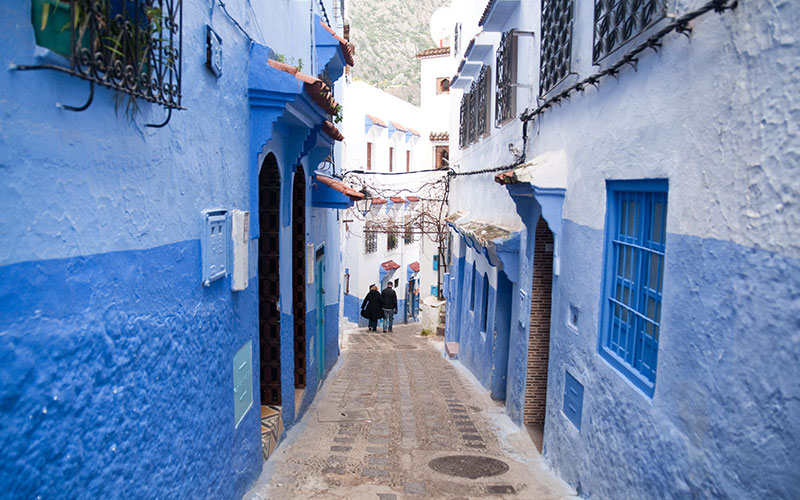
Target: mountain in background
387 35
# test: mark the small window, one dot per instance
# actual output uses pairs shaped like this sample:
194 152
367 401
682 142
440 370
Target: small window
556 43
369 156
485 302
442 85
408 161
408 235
391 158
617 22
370 240
442 157
505 100
472 289
391 240
396 283
634 273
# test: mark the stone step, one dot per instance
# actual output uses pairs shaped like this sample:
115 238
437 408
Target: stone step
451 348
440 330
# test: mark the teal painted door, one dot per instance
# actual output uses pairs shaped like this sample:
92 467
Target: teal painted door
319 269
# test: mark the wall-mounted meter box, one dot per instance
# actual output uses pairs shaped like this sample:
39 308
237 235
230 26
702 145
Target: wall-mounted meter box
240 242
214 244
310 263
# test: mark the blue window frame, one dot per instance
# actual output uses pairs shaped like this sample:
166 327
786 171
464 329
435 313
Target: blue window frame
485 311
472 289
634 273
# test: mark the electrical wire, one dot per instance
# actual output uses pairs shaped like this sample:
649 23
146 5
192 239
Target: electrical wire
234 21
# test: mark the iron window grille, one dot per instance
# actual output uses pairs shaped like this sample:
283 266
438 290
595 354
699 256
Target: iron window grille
616 22
463 137
635 245
482 111
456 39
506 79
131 46
556 43
370 240
472 122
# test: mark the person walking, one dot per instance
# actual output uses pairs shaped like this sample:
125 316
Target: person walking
371 308
389 302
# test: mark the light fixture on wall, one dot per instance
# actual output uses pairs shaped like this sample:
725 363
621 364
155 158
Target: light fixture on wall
364 204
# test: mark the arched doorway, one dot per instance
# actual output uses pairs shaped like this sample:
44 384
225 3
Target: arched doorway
539 336
269 317
299 282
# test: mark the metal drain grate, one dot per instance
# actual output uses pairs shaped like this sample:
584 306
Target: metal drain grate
469 466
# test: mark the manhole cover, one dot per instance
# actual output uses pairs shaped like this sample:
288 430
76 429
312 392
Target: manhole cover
468 466
405 346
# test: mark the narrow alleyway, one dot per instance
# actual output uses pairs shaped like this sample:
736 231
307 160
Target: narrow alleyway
391 407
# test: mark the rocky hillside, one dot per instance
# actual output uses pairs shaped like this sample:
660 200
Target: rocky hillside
387 35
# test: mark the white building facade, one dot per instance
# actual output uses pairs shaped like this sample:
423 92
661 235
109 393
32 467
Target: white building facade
623 267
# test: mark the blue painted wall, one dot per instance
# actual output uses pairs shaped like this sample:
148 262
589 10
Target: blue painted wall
726 388
115 363
477 347
352 311
117 378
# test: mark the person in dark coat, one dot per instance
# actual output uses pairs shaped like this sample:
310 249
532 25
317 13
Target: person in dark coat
372 308
389 302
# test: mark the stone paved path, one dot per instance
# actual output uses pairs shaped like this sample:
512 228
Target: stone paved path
392 405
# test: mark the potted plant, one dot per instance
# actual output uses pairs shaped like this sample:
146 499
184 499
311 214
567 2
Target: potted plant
51 25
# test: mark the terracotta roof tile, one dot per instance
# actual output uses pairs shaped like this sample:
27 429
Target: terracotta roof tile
414 266
330 129
469 46
377 121
398 127
397 199
413 132
390 265
316 88
507 177
347 49
412 198
434 52
486 12
440 136
340 186
378 201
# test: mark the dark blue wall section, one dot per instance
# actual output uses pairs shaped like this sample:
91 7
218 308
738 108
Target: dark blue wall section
501 339
331 335
723 421
117 378
352 309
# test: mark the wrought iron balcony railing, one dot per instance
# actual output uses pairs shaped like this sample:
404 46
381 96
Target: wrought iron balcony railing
130 46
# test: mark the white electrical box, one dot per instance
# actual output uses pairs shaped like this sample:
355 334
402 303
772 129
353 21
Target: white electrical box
240 243
310 263
214 246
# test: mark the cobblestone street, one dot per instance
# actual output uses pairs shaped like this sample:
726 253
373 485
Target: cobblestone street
392 406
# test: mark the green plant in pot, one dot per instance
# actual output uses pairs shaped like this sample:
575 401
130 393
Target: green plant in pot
51 25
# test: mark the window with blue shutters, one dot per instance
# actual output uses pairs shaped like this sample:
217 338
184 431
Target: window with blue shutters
634 275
